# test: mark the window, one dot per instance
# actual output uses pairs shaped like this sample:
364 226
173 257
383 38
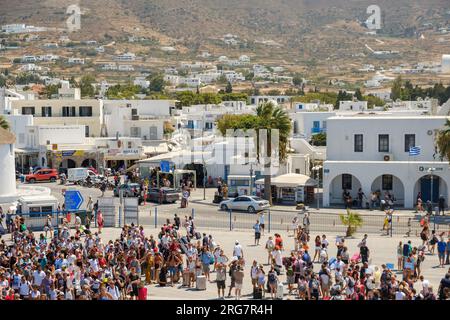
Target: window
28 110
358 147
295 127
86 131
386 182
346 181
130 144
68 111
297 171
383 143
410 141
85 111
46 111
135 132
316 124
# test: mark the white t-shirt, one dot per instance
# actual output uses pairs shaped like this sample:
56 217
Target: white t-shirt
325 242
276 254
399 295
24 288
38 276
35 294
114 292
237 250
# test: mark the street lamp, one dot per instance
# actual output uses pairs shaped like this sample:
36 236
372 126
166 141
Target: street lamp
317 169
251 179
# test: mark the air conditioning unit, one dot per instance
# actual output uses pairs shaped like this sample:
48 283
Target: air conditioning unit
388 157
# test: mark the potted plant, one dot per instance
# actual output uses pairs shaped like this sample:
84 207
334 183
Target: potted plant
352 220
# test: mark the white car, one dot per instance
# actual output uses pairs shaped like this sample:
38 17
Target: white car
250 204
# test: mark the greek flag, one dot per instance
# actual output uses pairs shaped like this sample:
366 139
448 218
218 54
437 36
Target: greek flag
414 151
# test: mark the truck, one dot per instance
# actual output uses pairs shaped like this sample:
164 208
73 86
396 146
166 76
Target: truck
79 174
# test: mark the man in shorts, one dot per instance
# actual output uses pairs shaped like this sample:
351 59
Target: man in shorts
257 228
221 276
261 222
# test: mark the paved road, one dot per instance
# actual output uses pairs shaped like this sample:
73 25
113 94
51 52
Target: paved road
210 217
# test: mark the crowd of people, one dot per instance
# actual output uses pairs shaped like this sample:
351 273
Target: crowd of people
64 264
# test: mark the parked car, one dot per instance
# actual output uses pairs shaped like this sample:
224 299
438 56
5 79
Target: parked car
128 190
250 204
169 195
42 175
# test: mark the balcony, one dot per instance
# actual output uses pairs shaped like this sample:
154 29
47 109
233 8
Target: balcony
318 130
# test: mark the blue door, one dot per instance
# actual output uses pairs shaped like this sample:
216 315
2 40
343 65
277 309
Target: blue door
425 188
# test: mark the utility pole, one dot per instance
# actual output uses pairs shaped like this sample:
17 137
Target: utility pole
251 179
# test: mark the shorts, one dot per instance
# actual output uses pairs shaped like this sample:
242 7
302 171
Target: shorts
254 281
261 225
221 284
290 279
441 255
238 285
205 267
257 235
172 270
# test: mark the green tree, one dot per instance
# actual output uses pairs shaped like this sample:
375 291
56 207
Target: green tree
297 80
4 123
352 220
358 95
229 88
86 86
319 139
50 90
157 83
396 89
268 117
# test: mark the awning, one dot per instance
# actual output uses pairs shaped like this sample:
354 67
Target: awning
291 180
25 151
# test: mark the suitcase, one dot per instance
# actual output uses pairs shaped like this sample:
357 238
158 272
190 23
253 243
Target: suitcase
198 235
257 294
280 291
142 293
186 279
200 283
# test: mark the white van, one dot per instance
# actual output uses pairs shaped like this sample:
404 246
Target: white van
79 174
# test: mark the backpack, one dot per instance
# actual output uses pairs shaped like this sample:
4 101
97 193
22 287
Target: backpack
272 277
405 250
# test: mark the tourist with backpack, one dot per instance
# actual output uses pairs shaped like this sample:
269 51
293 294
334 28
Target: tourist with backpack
272 279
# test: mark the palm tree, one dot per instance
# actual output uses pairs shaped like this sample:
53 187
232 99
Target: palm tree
352 220
443 141
4 123
271 117
268 117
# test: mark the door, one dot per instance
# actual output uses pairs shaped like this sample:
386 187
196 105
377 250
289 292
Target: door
425 188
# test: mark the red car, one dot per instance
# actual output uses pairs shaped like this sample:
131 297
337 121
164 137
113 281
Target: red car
42 175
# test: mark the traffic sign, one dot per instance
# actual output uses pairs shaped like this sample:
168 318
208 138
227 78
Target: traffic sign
73 199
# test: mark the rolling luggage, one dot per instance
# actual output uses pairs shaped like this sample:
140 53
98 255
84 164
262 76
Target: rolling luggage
257 294
186 278
142 293
200 283
280 291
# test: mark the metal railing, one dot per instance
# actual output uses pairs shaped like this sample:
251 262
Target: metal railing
276 221
36 221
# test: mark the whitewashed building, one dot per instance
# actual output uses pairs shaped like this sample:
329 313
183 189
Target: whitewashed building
372 153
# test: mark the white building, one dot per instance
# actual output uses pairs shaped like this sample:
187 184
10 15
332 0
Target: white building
352 105
142 82
125 67
261 99
73 60
137 118
306 124
372 153
125 57
445 66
